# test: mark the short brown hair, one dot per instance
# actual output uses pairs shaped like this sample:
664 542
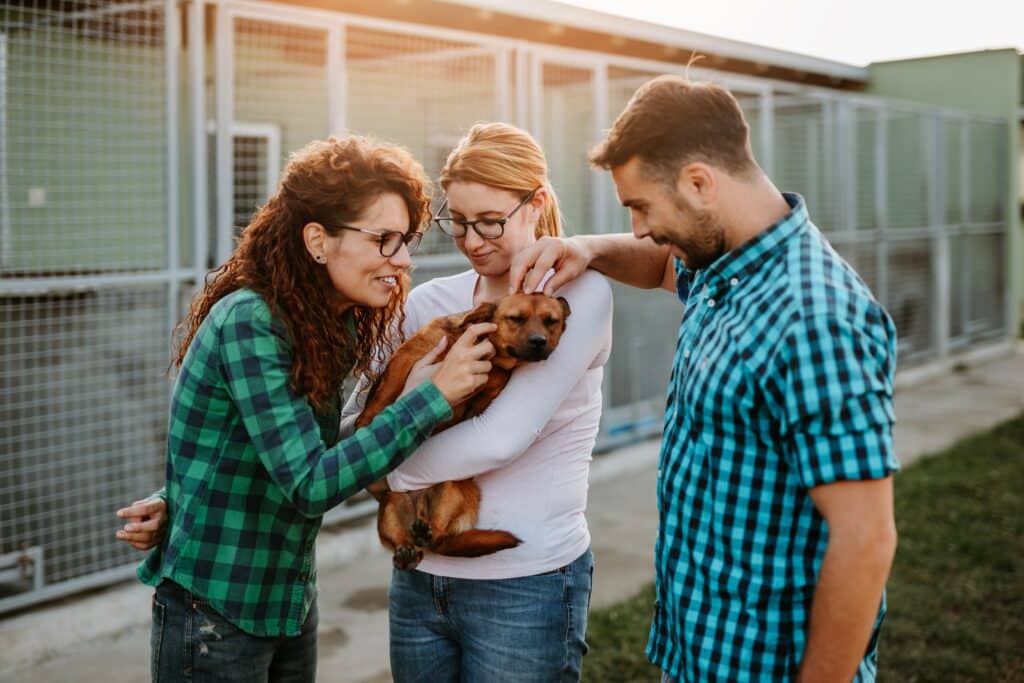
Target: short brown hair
670 122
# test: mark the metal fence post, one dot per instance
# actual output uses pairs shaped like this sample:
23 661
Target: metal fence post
224 75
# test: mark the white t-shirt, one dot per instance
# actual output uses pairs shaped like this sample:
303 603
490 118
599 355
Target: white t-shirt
530 451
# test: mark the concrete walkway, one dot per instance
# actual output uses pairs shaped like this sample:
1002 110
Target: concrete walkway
104 635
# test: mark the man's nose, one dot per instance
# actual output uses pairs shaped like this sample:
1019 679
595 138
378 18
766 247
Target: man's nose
639 226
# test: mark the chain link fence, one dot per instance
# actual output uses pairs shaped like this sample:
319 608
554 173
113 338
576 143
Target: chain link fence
132 152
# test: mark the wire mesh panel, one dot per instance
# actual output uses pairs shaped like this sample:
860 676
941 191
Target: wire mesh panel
421 92
952 142
84 137
82 423
281 79
252 169
978 280
804 156
568 132
906 171
988 176
909 297
865 161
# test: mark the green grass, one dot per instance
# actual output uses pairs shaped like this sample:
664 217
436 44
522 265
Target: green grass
956 592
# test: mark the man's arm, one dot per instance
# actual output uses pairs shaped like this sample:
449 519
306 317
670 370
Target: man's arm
861 545
622 257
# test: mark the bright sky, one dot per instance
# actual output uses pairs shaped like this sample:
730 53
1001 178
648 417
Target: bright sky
855 32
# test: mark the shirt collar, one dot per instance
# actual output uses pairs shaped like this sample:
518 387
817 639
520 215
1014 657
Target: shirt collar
745 260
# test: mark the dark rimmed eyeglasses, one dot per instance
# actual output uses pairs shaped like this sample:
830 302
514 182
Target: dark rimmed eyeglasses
488 228
390 241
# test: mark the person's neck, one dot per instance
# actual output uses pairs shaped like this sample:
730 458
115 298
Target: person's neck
491 287
752 209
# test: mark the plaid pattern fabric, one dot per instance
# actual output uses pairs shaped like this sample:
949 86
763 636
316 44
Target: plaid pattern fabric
782 381
249 475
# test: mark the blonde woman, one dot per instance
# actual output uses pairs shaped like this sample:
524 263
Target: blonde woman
520 614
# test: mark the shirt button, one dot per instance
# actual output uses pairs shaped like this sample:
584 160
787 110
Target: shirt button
711 303
686 353
733 282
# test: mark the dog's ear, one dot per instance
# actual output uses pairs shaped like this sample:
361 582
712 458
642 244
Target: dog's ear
483 313
565 306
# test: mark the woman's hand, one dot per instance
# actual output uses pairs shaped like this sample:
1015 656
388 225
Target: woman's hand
465 368
425 367
146 525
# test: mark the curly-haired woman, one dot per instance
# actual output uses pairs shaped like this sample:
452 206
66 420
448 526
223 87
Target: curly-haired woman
253 453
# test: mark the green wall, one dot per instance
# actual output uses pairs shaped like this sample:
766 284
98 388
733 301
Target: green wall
990 83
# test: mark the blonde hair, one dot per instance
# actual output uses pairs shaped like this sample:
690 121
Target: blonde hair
504 157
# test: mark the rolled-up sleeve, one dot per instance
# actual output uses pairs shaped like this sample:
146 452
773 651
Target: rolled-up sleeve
834 385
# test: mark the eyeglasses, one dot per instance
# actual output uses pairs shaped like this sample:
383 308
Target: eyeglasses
488 228
390 240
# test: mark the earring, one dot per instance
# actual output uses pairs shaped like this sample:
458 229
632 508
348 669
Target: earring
320 258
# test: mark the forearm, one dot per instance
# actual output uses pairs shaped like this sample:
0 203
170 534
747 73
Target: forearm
323 477
624 258
534 393
846 602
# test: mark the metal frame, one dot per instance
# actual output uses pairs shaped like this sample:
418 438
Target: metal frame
520 98
171 275
5 201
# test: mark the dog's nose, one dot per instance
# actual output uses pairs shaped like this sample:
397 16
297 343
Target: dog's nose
537 341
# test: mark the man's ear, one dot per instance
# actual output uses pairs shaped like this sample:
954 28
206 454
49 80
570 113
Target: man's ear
483 313
698 183
566 311
314 236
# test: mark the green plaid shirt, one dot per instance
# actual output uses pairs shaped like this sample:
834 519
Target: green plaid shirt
249 476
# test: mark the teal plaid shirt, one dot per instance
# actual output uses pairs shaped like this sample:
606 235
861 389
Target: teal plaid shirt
782 381
249 475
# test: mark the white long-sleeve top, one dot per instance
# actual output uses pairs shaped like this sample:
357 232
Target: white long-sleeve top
530 451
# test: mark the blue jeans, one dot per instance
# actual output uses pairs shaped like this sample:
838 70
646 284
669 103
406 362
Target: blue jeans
490 631
191 642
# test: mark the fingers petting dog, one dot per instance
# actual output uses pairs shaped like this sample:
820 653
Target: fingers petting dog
475 353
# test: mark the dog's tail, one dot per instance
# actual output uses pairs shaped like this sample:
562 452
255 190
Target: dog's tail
474 543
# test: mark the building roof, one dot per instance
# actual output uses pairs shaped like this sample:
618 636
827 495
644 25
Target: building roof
555 23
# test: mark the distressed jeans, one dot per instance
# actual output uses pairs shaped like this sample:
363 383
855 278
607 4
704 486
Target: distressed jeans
191 642
524 630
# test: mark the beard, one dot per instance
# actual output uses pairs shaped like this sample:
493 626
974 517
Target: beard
703 241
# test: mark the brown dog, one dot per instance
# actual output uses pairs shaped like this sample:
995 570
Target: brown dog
442 518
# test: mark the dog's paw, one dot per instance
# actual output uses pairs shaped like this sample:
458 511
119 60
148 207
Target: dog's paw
407 557
421 533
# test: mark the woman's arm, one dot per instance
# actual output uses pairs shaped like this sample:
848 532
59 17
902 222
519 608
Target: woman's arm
518 415
255 362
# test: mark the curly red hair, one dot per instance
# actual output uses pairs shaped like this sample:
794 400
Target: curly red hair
330 182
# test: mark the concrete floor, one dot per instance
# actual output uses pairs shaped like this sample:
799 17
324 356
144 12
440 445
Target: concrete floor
104 635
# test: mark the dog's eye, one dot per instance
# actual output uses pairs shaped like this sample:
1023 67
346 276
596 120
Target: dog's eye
551 321
517 319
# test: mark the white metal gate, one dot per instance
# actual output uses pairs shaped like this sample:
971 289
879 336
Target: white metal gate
116 199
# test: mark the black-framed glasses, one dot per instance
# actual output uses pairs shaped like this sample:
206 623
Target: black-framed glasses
390 240
488 228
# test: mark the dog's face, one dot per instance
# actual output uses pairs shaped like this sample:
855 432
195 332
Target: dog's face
529 325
